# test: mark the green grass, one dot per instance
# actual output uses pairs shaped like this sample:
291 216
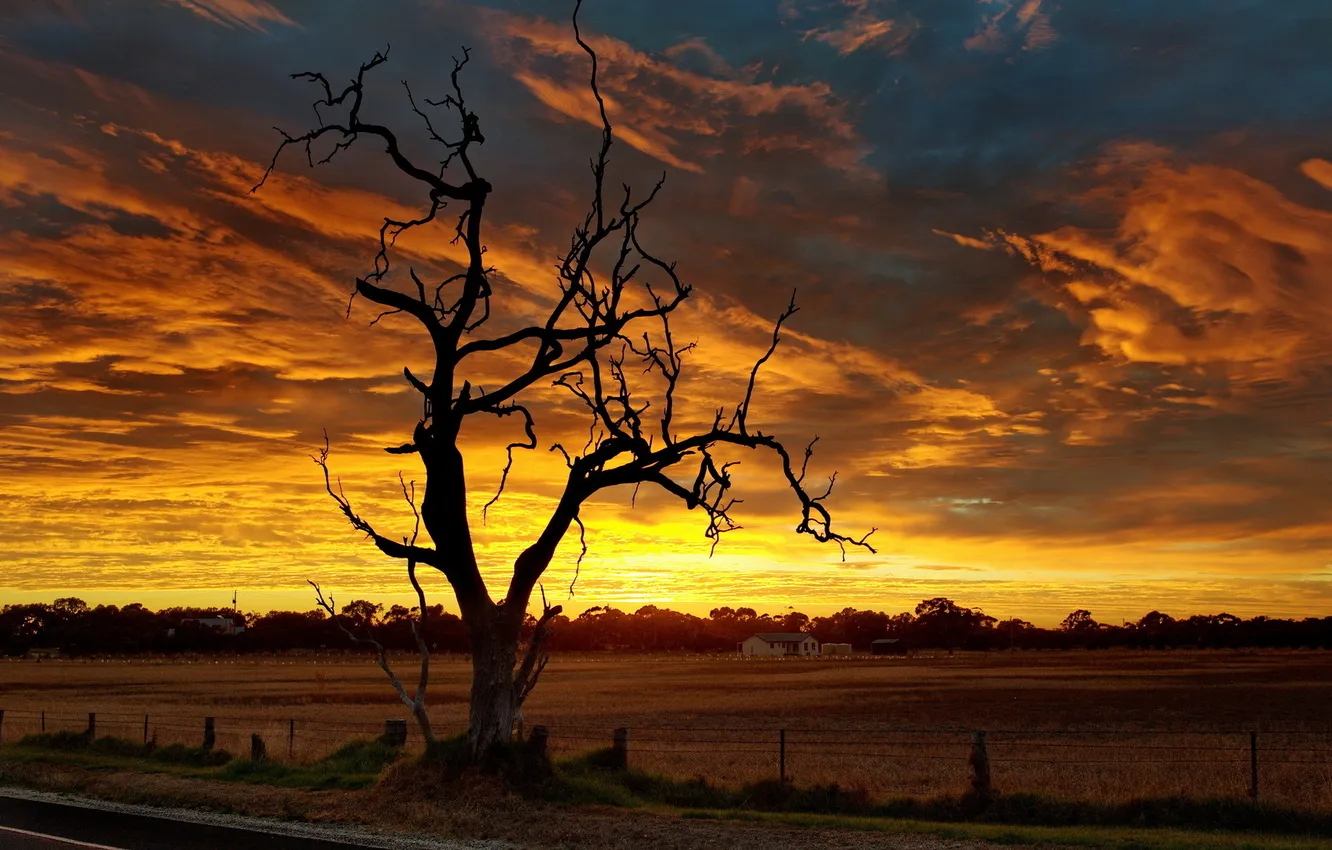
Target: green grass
581 781
98 760
74 742
355 765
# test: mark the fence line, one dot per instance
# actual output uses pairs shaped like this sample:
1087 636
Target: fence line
745 753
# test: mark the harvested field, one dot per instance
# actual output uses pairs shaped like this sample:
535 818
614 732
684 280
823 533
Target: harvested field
1102 727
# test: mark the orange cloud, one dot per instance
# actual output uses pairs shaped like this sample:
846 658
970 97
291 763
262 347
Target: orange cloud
863 28
1207 265
79 180
1319 171
966 241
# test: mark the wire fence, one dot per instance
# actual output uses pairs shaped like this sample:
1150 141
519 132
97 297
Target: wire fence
1294 767
293 738
1289 767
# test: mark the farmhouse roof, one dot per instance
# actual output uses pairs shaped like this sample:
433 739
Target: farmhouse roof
781 637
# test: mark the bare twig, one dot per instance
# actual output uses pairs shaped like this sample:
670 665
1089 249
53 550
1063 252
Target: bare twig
415 702
537 655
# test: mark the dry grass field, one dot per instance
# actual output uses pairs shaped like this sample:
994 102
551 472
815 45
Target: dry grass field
1090 726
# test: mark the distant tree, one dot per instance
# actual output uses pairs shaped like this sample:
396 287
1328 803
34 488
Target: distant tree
938 607
135 629
1155 621
1014 625
858 628
279 630
1014 632
943 622
794 621
1079 622
361 614
69 606
901 624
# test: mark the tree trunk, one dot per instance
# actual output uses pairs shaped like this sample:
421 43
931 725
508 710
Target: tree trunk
493 708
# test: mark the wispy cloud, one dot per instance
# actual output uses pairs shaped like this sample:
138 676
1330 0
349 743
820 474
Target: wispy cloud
1024 22
864 24
238 14
678 116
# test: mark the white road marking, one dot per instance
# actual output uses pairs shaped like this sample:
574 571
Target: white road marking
58 838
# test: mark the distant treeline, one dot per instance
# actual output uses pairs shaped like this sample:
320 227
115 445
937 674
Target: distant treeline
75 628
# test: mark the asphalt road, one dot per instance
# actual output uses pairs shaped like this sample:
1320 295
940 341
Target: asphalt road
18 839
41 825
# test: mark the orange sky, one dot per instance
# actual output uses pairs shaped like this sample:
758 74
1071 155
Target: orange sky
1058 359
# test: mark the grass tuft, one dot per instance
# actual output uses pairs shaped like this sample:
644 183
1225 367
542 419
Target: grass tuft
362 757
66 741
124 748
356 764
195 756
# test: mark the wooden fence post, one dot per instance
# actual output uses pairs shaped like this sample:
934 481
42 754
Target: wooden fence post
145 728
210 733
2 724
782 757
291 738
258 752
395 733
980 766
92 725
1253 765
43 722
620 749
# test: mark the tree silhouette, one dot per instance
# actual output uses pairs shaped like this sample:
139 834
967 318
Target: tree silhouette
1079 622
361 613
946 622
134 629
613 301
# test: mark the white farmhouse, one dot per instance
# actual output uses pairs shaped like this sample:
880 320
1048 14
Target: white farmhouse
225 625
780 643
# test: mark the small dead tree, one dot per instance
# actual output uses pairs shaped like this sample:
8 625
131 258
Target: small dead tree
610 290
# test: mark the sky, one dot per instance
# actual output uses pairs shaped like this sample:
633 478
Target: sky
1064 270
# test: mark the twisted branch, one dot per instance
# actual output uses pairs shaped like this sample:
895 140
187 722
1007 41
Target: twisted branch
415 702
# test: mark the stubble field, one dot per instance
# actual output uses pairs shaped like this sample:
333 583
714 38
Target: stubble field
1087 726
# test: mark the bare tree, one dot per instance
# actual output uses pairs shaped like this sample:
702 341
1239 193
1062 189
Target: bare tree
611 290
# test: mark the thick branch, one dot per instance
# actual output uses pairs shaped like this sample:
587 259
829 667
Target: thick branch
392 548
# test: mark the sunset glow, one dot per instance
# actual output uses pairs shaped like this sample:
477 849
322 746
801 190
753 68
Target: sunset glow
1065 277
